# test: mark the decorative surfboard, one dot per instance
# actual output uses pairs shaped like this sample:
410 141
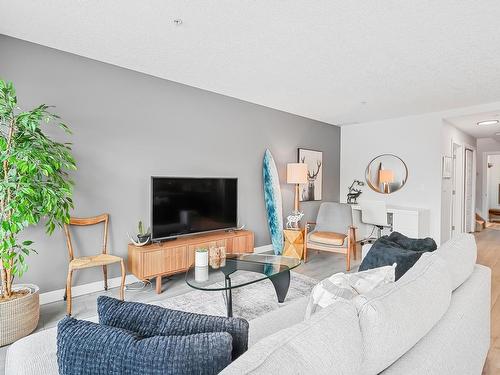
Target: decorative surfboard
273 202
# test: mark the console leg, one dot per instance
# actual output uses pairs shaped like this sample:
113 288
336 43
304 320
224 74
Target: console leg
158 284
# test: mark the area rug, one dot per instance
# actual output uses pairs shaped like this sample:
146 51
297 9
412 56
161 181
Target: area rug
249 302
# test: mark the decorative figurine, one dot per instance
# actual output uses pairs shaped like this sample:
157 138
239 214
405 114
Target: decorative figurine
354 193
292 221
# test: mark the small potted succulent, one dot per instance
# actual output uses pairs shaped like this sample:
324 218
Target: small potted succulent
143 236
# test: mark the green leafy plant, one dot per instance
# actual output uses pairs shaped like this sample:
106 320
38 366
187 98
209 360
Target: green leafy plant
34 181
140 230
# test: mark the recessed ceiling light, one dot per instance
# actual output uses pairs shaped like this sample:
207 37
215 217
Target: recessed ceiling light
488 122
497 134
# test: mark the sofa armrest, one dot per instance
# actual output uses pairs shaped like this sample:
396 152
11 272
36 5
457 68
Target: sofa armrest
276 320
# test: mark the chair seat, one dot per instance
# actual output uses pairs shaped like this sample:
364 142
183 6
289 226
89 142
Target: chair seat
328 238
93 261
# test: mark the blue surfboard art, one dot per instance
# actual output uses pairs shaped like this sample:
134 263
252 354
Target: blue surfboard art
273 202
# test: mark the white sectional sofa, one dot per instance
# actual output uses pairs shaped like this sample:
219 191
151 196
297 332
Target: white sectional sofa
435 320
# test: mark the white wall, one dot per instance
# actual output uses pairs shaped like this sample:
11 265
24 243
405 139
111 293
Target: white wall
449 135
484 146
414 139
420 141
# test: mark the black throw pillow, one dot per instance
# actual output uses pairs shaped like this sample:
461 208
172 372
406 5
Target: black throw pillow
415 244
399 249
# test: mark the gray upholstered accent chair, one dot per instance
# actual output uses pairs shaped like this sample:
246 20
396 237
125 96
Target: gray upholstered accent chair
333 231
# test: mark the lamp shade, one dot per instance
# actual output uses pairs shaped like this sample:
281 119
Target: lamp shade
386 176
296 173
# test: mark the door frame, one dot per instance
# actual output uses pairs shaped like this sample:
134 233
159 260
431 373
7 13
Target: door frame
456 206
473 184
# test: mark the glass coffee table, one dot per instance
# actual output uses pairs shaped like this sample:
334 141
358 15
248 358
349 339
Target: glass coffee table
273 267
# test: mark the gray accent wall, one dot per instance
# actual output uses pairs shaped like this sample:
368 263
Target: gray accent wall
128 126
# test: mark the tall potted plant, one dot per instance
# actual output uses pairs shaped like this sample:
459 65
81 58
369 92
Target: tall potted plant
34 185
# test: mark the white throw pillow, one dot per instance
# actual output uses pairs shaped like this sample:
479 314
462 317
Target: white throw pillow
347 286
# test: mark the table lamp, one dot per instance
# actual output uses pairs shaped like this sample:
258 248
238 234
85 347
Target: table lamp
296 173
386 177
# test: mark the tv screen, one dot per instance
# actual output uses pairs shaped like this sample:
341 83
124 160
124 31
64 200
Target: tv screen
181 206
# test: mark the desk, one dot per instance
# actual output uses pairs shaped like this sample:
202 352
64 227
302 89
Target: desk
410 221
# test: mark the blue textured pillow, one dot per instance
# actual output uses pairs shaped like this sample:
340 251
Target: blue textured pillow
86 348
150 320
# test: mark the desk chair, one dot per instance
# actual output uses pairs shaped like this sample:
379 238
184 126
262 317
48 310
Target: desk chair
103 259
333 231
375 213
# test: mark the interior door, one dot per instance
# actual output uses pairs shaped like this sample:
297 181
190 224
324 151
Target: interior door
456 212
468 190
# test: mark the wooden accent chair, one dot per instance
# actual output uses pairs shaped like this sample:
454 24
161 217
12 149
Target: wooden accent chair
103 259
333 231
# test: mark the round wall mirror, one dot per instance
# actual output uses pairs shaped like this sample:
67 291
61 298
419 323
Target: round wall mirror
386 173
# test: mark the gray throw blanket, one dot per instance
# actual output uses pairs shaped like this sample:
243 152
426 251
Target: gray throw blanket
397 248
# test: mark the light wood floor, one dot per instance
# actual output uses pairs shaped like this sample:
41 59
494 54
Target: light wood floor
488 245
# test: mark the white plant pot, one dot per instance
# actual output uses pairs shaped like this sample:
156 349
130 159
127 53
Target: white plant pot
201 258
201 274
19 317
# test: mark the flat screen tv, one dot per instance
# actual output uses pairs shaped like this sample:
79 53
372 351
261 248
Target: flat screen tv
182 206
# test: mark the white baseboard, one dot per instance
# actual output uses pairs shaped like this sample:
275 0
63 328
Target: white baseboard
80 290
263 249
96 286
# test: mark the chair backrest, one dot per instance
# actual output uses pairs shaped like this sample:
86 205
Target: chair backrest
77 221
334 217
374 212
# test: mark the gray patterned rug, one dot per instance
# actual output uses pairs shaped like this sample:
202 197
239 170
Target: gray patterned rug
249 301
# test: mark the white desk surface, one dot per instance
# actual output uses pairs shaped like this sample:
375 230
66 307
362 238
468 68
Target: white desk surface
391 208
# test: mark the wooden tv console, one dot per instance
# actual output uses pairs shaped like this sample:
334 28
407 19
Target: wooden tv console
176 256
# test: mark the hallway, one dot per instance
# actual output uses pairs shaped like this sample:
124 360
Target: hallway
488 244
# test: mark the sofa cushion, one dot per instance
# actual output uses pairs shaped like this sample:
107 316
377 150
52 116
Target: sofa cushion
460 255
149 320
328 238
33 355
394 317
94 349
347 286
459 342
328 343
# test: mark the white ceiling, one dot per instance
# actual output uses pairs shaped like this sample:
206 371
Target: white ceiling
321 59
468 124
